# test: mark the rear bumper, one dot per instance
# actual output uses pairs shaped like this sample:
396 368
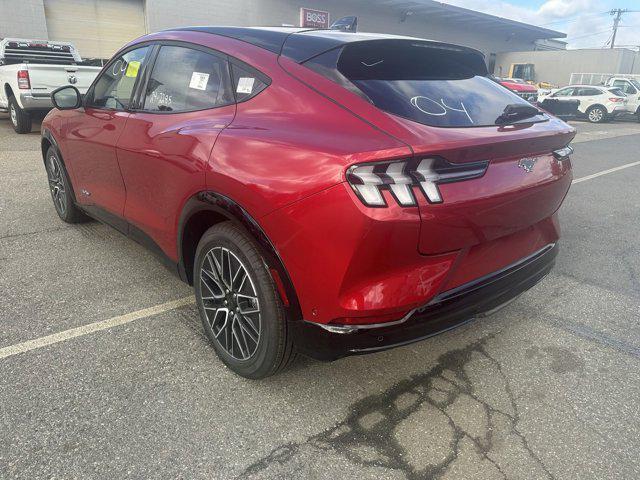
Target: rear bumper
448 310
36 101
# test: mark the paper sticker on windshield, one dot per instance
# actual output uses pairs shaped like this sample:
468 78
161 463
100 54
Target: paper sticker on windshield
245 85
199 80
132 69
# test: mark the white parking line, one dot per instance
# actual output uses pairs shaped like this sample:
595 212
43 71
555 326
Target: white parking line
605 172
92 327
163 307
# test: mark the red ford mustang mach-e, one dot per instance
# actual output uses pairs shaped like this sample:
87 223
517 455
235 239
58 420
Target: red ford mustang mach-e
325 192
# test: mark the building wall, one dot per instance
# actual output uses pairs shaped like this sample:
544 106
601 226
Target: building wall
163 14
557 67
23 19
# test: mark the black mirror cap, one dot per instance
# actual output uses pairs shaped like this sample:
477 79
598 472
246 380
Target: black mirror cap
66 99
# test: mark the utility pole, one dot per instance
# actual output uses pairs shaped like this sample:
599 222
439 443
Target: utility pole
618 14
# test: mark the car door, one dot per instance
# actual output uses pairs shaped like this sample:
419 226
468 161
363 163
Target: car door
185 101
581 94
632 93
91 133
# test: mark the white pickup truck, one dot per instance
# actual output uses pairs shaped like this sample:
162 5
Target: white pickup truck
30 70
631 88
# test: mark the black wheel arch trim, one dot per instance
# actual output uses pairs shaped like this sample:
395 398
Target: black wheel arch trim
224 206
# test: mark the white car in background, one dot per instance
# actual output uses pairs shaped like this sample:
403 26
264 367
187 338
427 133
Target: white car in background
597 103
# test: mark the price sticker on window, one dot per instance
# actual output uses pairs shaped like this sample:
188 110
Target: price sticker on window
199 80
245 85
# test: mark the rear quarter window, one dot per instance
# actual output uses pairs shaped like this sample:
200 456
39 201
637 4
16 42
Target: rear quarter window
433 84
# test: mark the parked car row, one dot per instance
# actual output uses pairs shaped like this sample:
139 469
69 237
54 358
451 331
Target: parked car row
597 103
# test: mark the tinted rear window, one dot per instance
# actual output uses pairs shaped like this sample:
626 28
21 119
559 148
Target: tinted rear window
433 84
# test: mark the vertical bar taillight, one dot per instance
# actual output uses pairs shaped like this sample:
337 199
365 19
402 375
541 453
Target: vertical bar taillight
399 177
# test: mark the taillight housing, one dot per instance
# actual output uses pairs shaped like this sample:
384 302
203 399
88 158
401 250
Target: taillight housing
23 80
616 99
399 177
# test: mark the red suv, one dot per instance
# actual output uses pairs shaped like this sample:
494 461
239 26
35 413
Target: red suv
327 193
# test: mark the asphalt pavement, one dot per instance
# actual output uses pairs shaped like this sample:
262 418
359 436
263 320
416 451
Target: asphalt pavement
548 387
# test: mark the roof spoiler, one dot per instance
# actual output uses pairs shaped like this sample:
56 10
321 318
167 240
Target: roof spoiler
345 24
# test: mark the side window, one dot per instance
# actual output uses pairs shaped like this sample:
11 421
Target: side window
565 92
588 92
115 85
184 79
247 82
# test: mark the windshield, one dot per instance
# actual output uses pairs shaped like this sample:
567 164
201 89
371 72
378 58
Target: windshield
433 84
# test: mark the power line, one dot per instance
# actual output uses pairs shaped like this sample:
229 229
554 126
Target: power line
576 18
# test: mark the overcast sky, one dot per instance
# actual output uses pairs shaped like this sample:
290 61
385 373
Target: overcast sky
586 22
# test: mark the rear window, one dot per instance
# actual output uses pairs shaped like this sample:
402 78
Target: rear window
433 84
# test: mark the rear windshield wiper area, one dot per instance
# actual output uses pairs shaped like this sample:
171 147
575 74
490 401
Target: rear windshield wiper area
517 111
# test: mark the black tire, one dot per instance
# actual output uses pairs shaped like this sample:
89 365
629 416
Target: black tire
20 119
223 301
61 189
596 114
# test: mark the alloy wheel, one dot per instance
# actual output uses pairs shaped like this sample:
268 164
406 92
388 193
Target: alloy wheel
14 115
595 115
56 184
230 302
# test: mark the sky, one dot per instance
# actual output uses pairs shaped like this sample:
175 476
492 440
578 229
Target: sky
587 23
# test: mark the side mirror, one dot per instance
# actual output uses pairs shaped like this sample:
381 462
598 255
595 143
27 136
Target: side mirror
66 98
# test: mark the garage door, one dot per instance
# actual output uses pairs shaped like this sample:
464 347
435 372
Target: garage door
98 28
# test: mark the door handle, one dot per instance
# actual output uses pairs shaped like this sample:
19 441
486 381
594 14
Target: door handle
151 153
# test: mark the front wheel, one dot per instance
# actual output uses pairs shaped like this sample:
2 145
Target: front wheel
20 119
240 308
596 114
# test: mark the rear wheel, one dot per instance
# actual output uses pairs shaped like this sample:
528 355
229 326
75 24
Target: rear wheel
60 187
20 119
596 114
239 305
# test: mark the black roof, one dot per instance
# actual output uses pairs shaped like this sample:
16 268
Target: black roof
299 44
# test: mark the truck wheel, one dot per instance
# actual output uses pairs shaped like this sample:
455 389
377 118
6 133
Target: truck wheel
20 119
596 114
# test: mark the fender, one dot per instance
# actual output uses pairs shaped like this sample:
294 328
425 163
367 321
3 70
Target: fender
209 201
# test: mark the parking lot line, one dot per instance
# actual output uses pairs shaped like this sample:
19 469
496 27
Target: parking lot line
93 327
163 307
605 172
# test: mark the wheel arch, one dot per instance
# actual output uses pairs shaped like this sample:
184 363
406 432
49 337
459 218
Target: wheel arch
591 107
208 208
8 91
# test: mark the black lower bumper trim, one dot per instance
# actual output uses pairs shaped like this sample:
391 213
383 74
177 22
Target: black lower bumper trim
446 311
